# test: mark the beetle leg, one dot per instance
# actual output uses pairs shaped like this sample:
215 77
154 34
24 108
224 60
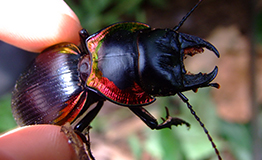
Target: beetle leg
151 122
81 147
86 140
169 121
145 116
85 122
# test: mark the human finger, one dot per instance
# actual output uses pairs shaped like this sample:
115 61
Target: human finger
34 25
36 142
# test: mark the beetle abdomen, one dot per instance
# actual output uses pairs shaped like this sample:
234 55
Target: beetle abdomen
50 90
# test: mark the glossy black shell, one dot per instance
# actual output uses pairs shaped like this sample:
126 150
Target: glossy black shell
51 80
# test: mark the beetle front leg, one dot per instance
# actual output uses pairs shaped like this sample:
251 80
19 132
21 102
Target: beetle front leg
151 121
169 121
85 122
80 146
145 116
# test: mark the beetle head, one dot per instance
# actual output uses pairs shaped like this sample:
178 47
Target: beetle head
160 63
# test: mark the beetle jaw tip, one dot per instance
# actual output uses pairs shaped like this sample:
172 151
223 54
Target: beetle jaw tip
194 81
195 44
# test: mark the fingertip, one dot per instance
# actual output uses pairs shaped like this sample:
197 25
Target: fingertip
36 142
38 24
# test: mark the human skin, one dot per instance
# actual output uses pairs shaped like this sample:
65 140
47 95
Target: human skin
39 142
33 26
36 25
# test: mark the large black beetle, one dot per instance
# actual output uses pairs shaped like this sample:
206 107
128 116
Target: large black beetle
126 63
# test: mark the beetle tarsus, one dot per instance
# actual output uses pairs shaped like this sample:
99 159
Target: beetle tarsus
151 122
81 146
169 121
86 140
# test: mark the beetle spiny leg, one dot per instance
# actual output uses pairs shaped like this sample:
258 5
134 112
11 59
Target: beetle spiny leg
81 147
185 100
169 121
176 28
87 142
167 112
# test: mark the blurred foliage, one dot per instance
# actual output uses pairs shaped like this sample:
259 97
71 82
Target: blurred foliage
184 144
238 138
96 14
7 121
259 27
181 142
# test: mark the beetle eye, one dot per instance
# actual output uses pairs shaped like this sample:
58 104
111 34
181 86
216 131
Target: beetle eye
84 68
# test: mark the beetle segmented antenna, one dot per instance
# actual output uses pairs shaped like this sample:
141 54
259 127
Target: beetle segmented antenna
185 100
176 28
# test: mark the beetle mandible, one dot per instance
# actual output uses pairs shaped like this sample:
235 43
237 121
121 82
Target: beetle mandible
127 63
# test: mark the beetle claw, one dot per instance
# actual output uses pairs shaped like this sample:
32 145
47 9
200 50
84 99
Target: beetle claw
200 80
196 44
169 121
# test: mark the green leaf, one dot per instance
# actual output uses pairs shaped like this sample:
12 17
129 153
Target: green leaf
7 121
135 146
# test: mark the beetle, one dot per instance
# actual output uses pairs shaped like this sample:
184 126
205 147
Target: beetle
127 63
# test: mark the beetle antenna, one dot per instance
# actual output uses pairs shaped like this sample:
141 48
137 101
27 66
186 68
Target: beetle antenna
176 28
83 36
185 100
